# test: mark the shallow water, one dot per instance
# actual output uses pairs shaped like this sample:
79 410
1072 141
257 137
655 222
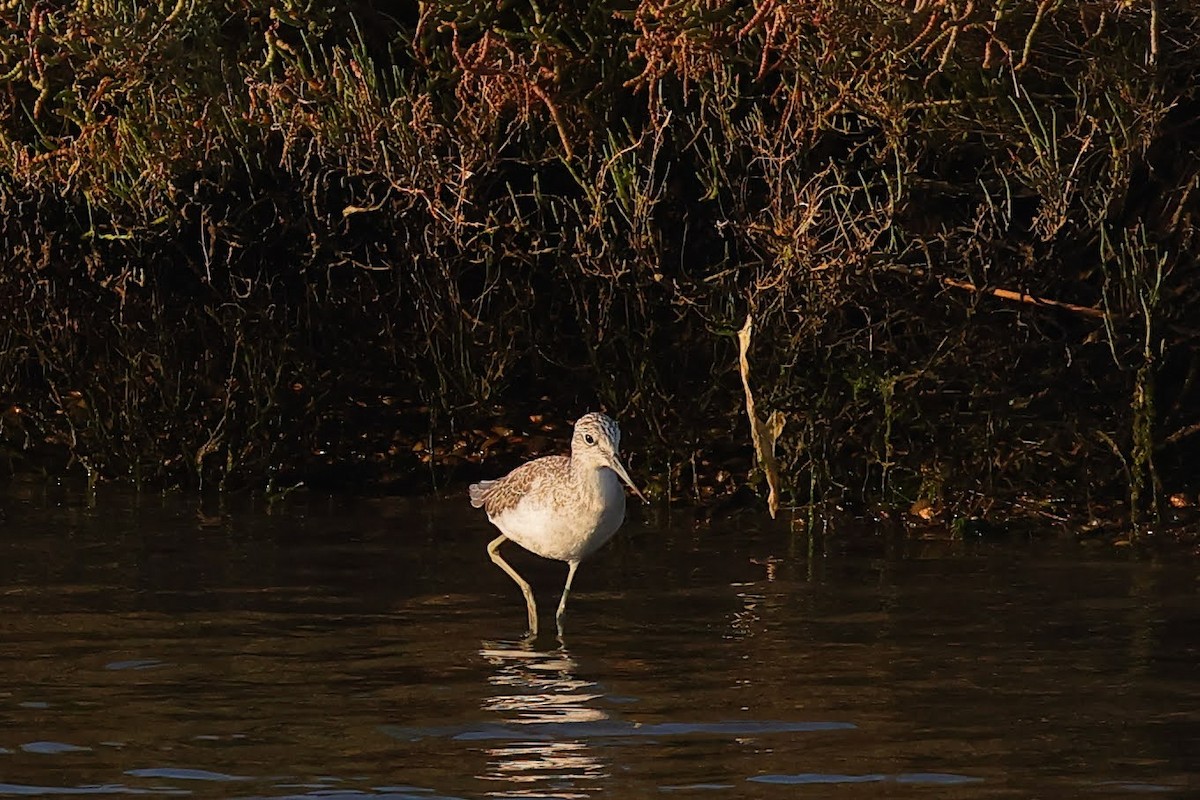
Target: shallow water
327 648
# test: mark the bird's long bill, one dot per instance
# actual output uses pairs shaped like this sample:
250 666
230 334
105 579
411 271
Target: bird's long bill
615 463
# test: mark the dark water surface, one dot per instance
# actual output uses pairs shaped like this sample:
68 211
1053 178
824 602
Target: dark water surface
369 648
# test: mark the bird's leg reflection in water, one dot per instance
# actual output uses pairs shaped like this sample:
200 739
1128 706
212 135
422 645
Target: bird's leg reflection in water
539 688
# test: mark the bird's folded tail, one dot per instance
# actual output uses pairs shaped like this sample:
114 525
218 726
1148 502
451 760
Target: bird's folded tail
479 492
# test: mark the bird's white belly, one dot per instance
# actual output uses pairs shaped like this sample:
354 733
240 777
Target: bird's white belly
566 532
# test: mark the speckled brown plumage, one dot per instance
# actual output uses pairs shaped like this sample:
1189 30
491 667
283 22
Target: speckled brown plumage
496 497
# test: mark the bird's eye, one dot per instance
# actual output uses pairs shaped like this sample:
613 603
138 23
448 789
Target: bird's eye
587 437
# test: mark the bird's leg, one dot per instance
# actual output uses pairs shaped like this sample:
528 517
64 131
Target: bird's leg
530 606
562 604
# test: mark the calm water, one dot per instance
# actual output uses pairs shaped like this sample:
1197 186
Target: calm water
369 648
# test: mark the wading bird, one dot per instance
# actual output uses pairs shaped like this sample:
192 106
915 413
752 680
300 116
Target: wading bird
560 507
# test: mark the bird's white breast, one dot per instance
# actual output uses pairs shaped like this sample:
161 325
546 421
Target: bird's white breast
567 526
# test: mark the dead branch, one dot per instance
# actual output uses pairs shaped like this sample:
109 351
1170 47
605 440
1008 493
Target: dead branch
1022 297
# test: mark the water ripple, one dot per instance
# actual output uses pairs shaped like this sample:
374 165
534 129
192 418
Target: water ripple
183 774
939 778
26 790
607 729
52 748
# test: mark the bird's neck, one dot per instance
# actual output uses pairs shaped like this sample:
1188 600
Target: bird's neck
584 469
592 475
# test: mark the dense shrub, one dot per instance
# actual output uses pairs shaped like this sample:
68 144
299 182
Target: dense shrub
242 236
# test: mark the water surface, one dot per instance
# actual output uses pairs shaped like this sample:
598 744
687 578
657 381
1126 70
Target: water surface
368 648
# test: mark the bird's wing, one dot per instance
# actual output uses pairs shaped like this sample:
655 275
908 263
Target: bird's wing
504 493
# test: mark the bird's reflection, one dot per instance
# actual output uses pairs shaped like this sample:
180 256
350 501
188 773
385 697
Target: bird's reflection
539 688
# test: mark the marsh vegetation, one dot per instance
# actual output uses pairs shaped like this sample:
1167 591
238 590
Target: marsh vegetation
256 243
